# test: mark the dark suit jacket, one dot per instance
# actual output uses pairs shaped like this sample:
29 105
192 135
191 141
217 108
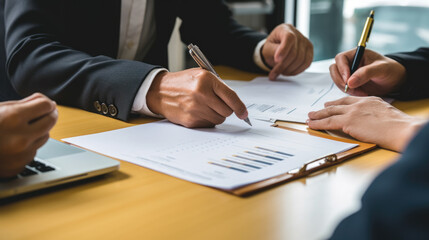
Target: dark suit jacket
66 49
417 65
396 205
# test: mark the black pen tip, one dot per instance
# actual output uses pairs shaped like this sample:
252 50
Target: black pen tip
371 14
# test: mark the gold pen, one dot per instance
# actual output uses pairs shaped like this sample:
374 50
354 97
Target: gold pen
361 45
204 63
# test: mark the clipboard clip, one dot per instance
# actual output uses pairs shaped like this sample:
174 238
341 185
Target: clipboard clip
313 166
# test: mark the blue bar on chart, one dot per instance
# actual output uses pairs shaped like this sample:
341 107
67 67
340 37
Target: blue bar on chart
274 151
229 167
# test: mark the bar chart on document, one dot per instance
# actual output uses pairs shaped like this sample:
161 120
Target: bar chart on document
228 156
288 98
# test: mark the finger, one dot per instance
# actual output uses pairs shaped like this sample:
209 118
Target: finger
299 60
211 116
344 62
32 97
327 112
230 98
364 75
284 66
286 58
307 62
336 77
287 41
219 106
43 125
330 123
35 108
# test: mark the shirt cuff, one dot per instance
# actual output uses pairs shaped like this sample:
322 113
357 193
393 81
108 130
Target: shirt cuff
257 56
140 105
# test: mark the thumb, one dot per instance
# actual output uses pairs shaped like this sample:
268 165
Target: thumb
363 75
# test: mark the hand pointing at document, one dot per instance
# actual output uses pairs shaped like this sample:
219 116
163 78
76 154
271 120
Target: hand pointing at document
287 51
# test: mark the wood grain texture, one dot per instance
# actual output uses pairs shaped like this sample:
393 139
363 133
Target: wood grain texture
138 203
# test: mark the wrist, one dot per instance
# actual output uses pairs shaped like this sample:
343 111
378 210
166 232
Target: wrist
400 73
153 96
413 125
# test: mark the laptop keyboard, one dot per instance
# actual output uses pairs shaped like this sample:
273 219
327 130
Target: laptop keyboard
36 167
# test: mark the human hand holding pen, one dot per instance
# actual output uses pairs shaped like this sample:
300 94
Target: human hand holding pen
377 75
204 63
193 98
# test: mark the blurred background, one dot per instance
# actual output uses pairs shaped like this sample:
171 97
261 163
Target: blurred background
332 25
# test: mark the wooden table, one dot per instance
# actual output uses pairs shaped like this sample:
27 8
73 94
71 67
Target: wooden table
138 203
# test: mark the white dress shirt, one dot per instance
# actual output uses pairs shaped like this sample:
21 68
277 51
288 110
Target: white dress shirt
137 34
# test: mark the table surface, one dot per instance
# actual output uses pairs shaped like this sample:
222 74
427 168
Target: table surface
138 203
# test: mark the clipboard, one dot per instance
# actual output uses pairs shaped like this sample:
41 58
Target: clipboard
307 168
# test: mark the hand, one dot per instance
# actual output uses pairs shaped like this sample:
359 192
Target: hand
287 51
193 98
378 75
24 127
368 119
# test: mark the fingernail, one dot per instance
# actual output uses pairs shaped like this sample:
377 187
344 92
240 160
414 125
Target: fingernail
246 114
307 121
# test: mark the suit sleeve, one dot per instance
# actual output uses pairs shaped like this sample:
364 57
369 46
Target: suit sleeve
417 65
396 205
209 24
39 60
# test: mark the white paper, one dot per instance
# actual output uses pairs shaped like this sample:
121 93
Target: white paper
288 98
228 156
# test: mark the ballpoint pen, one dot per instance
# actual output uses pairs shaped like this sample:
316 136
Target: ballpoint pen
361 45
204 63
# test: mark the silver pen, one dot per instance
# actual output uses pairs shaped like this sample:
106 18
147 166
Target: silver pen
204 63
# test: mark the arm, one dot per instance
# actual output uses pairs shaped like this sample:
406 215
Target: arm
40 58
395 206
416 64
210 25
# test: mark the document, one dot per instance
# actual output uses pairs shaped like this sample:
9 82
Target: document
228 156
288 98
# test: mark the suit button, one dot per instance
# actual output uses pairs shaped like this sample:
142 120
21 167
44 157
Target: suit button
113 110
104 109
97 106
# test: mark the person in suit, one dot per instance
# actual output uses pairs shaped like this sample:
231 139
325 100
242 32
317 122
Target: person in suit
110 56
370 119
24 127
396 204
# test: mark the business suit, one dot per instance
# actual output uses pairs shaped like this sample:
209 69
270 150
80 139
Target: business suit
417 65
66 49
396 205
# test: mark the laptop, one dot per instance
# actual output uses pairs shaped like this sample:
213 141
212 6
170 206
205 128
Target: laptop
57 163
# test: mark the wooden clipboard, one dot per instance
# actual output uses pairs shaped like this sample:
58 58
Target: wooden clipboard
309 167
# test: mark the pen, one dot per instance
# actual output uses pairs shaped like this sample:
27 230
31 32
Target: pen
204 63
364 38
